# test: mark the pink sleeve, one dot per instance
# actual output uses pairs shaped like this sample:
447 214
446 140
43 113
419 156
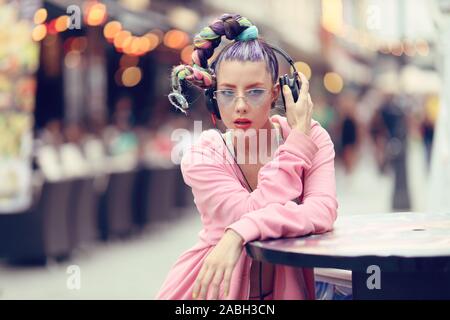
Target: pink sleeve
316 214
279 180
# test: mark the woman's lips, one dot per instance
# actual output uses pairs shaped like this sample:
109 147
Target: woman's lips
242 123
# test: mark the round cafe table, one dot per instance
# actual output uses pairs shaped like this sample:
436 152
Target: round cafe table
391 255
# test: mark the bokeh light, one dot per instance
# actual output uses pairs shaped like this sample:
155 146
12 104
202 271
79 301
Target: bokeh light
40 16
304 68
39 32
176 39
131 76
111 29
62 23
333 82
186 54
96 14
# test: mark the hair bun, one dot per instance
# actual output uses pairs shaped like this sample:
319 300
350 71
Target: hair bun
232 28
249 33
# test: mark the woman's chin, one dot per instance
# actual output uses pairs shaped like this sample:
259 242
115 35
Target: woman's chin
248 131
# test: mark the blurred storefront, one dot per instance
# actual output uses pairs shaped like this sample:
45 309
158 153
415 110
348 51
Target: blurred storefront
18 63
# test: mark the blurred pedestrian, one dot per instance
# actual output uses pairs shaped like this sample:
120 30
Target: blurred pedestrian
394 120
348 130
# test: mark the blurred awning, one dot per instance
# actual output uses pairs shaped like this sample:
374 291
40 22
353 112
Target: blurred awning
350 68
420 81
410 80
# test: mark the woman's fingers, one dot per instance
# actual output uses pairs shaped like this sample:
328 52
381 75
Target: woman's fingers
310 104
204 284
288 96
215 284
198 281
227 281
304 90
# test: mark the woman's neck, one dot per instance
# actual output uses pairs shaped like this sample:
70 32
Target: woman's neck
258 147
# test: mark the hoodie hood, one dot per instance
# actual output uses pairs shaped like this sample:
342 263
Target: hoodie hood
285 128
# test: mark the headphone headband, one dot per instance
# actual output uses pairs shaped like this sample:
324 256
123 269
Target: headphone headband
285 55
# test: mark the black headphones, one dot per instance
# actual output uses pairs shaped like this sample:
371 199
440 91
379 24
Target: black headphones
291 81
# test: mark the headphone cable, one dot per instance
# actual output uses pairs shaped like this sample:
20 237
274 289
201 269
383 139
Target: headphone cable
248 184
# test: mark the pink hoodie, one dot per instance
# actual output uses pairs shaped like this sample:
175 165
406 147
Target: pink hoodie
270 211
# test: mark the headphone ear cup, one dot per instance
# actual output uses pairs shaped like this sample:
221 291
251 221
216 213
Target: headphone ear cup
295 87
282 81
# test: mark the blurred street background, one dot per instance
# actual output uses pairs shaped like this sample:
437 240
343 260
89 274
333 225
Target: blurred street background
92 205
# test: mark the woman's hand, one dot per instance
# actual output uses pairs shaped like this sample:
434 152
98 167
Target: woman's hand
299 113
218 266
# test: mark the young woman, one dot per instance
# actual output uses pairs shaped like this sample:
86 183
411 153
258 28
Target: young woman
242 201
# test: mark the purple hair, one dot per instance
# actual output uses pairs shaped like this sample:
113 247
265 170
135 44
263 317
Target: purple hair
252 50
202 75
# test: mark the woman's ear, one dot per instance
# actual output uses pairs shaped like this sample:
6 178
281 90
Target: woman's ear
275 93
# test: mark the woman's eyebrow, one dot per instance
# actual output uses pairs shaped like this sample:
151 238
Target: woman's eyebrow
247 86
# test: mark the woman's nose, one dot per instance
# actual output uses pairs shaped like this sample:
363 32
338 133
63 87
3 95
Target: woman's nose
240 105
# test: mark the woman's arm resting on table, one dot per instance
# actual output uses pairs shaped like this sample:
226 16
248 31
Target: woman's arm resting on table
279 180
316 214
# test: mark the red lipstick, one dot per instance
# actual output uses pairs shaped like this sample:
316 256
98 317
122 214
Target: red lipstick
242 123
